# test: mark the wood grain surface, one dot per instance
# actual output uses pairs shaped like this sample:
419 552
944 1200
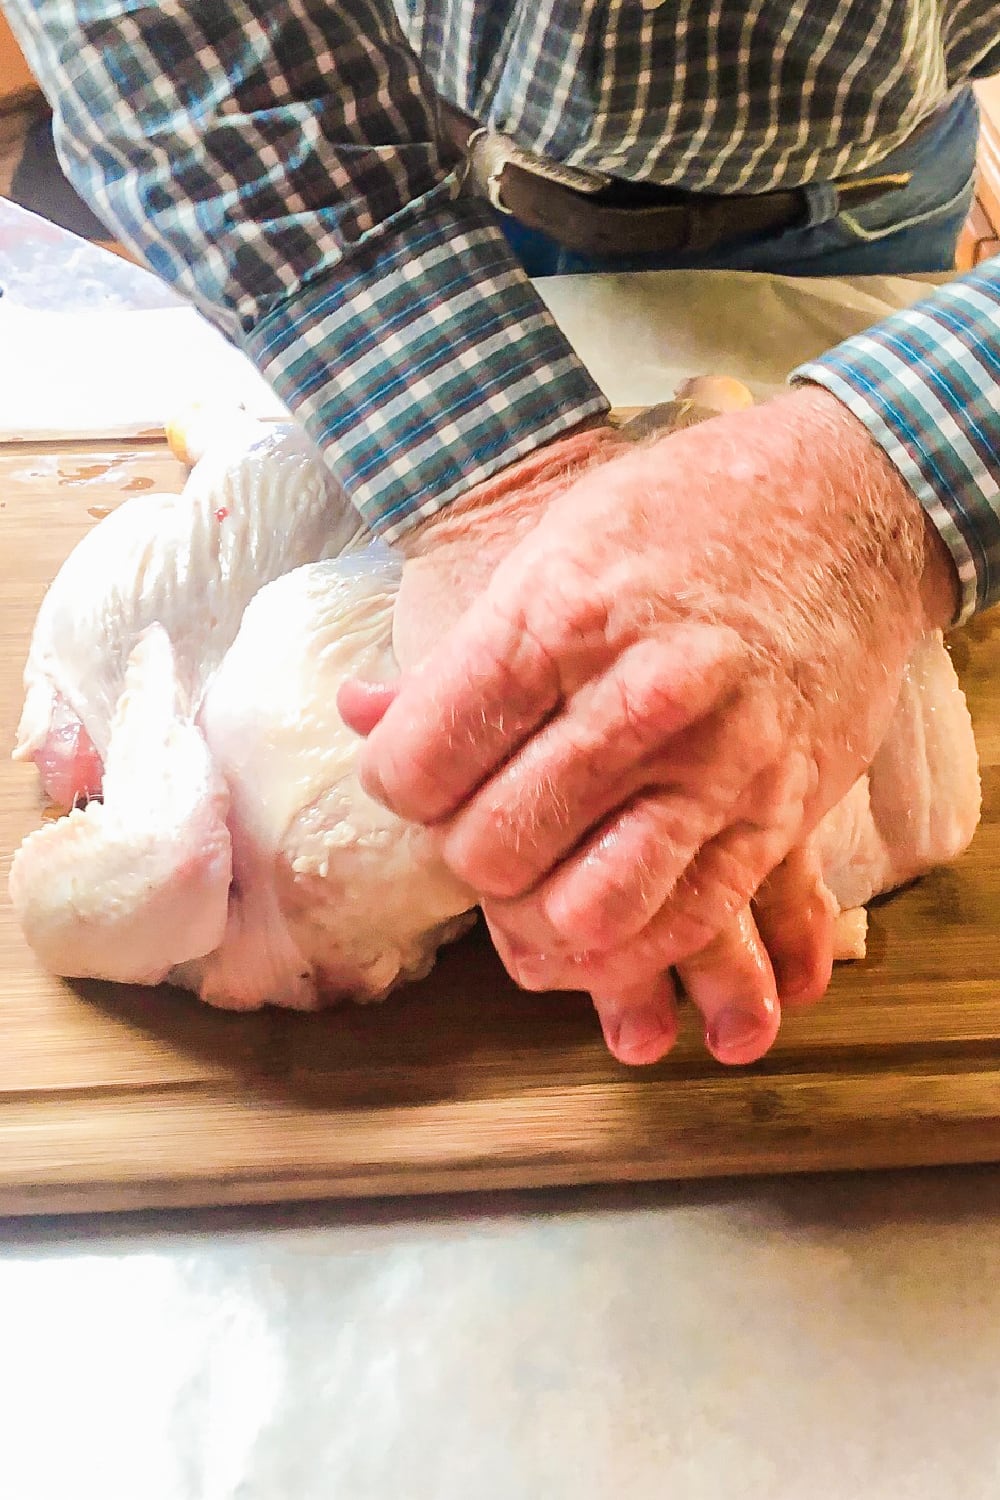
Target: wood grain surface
113 1097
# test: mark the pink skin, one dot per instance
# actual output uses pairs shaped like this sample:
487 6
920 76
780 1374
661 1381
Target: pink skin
362 704
680 664
782 952
70 768
779 953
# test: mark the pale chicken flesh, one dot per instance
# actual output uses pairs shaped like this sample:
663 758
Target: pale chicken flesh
185 666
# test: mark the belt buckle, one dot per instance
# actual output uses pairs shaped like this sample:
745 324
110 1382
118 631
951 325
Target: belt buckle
484 164
488 152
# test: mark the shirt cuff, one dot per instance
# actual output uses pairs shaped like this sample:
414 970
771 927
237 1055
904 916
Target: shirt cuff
926 384
426 363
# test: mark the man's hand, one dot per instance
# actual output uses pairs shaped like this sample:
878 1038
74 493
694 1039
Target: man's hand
778 954
666 683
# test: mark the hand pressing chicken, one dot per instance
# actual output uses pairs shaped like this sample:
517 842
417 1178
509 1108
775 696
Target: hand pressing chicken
666 684
191 653
779 953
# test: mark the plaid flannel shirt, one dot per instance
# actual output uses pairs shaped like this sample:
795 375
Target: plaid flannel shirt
276 162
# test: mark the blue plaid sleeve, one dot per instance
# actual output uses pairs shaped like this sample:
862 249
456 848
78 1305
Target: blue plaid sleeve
276 163
926 384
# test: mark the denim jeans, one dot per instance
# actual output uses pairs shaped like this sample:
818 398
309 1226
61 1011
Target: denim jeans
913 230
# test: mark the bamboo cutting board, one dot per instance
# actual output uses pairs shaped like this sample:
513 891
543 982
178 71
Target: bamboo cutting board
122 1098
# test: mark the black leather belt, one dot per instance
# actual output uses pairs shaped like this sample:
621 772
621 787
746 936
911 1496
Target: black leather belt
600 215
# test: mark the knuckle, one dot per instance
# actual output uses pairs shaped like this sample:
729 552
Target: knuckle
674 937
411 783
597 919
615 889
535 972
565 613
601 911
647 708
504 842
766 729
708 898
501 877
793 886
775 799
726 885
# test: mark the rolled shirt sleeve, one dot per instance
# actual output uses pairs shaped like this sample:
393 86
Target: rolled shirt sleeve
276 164
926 384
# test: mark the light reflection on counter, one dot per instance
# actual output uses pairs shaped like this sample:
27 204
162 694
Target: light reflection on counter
773 1340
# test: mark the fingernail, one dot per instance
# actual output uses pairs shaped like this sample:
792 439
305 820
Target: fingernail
640 1037
738 1036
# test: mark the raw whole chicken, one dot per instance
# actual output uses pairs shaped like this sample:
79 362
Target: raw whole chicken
185 665
181 685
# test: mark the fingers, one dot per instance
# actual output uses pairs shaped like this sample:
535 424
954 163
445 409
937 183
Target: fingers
599 750
637 1013
700 906
615 884
542 644
782 950
461 714
719 882
795 916
732 984
362 704
733 981
531 966
640 1025
638 1019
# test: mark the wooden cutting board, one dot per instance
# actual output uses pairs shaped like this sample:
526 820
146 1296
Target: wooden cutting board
123 1098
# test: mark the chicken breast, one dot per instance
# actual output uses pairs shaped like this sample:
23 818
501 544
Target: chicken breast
186 662
332 894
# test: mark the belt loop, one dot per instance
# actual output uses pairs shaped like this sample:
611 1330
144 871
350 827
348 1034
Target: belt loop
821 203
699 228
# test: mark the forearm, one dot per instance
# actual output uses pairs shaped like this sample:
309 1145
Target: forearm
277 164
427 367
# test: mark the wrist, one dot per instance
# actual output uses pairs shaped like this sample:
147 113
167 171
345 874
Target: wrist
920 550
509 503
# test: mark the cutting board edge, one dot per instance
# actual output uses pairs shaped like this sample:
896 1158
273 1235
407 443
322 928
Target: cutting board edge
958 1146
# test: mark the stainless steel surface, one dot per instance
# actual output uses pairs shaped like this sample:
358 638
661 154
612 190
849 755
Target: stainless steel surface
806 1339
